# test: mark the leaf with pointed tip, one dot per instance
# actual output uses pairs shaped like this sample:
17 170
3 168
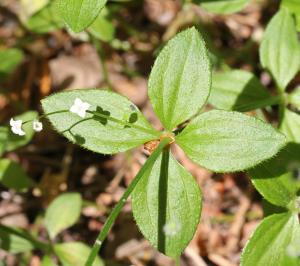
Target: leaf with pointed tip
269 245
180 79
110 131
238 90
280 48
225 141
166 205
79 14
277 179
57 220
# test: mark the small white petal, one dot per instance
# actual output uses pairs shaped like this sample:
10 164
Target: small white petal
81 113
79 107
37 126
16 127
78 102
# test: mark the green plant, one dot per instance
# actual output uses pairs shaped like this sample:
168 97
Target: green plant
276 240
166 199
55 220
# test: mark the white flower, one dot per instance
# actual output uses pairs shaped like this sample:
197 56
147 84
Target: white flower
37 126
16 127
79 107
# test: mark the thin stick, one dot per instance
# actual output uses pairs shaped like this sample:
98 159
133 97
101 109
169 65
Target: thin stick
115 212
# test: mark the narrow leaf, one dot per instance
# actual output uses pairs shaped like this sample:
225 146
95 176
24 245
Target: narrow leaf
269 245
229 141
290 126
223 6
74 254
79 14
280 49
238 90
277 179
13 176
180 80
166 205
113 131
57 220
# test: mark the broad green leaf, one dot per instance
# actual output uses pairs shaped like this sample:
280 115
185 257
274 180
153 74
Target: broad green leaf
277 179
9 60
13 176
102 28
269 245
63 212
45 20
280 48
15 141
229 141
3 139
47 261
290 126
238 90
294 7
15 240
223 6
180 79
79 14
166 205
294 98
112 134
74 254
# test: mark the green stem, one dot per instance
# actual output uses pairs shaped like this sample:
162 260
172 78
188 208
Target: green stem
45 115
118 121
115 212
124 123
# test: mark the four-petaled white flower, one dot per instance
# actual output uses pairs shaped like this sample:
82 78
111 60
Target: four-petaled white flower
37 126
79 107
16 127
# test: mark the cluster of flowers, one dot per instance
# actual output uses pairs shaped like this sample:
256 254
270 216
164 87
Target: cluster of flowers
79 107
